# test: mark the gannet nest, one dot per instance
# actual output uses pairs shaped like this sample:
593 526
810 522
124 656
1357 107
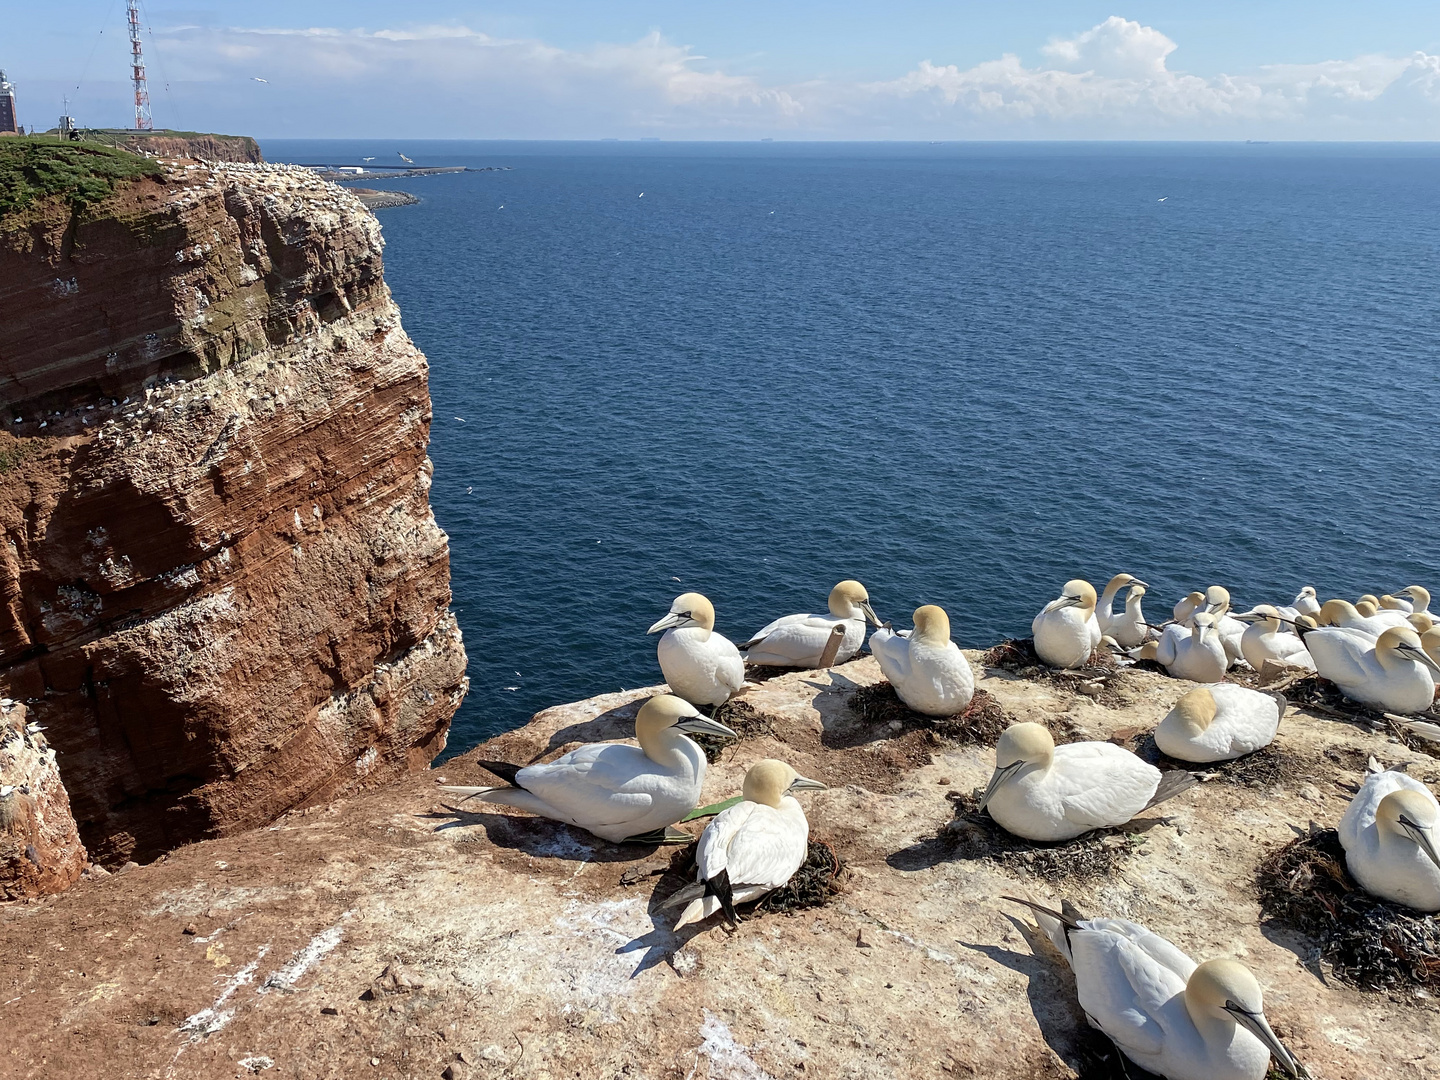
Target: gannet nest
747 721
760 673
975 835
1368 942
1017 655
812 885
1311 692
1267 767
981 722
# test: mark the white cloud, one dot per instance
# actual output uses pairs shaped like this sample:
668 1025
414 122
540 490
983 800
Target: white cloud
1112 80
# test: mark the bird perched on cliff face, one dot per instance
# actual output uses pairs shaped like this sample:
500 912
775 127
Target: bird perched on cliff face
1219 722
615 790
1046 792
1105 609
799 641
751 849
1197 654
1393 673
1129 629
1178 1019
701 666
1388 833
1066 632
927 669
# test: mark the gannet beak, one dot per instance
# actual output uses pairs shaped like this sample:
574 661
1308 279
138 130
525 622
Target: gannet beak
870 613
1248 616
998 777
1258 1026
674 618
1070 601
1137 581
804 783
1421 834
1419 654
703 725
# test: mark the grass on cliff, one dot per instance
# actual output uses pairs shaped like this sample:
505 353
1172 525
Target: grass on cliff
33 168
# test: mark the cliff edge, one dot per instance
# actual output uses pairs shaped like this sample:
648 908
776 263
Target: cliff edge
223 594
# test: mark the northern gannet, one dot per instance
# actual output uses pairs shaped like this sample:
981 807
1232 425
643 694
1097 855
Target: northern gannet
1393 674
1066 632
1345 616
1430 642
1198 655
1422 623
1227 628
615 790
701 666
1188 605
1419 599
1129 628
752 848
1105 610
1263 642
1388 832
1218 723
927 669
1177 1019
1395 603
799 640
1305 602
1046 792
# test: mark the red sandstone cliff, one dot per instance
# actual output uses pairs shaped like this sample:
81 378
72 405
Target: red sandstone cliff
222 589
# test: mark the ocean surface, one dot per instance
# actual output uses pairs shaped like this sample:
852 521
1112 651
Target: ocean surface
961 373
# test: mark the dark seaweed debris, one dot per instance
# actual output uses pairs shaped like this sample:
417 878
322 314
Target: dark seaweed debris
1018 656
740 716
810 886
1267 767
1368 942
975 835
981 722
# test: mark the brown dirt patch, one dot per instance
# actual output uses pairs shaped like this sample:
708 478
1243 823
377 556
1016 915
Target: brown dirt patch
1367 942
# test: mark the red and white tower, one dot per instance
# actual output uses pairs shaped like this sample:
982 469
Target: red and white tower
137 72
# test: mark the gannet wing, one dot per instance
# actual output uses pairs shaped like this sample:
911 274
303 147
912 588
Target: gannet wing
1338 655
600 783
1124 978
770 628
764 848
892 653
800 642
1101 785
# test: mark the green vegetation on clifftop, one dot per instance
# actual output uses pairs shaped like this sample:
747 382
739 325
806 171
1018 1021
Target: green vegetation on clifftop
82 173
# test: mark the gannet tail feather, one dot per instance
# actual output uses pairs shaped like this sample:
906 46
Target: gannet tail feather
681 895
1171 784
699 909
1056 924
510 796
502 769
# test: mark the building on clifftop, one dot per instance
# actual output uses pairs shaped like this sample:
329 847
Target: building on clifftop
7 107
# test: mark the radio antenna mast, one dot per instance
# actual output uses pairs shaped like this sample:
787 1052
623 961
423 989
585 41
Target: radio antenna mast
137 72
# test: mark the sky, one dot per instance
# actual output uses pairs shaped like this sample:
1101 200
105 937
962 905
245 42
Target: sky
741 69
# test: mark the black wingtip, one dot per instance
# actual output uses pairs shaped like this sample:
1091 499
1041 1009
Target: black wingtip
502 769
1171 784
719 887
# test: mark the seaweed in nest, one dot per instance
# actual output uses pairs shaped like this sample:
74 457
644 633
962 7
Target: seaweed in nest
976 835
1370 943
740 716
980 722
1098 1058
1267 767
1017 655
810 886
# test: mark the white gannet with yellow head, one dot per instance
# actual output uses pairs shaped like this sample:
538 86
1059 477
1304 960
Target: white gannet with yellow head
1066 631
1391 847
1430 642
1393 673
1218 723
1105 609
927 669
1189 604
701 666
752 848
1418 598
1173 1017
615 790
1041 791
1228 629
1422 622
799 641
1263 642
1129 629
1306 602
1198 655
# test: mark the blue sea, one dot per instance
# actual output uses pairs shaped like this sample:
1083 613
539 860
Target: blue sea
961 373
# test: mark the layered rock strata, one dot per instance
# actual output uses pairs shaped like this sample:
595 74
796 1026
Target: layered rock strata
222 589
40 848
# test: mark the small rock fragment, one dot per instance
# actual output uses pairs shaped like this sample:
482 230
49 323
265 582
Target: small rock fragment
190 929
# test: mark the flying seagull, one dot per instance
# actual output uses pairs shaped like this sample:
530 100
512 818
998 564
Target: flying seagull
405 159
1162 200
256 78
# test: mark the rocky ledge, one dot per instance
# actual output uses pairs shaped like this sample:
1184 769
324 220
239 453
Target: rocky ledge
223 594
389 935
